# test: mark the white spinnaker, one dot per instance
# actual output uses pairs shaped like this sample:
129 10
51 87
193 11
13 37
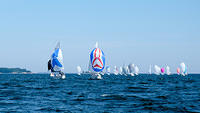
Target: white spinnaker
168 70
78 70
157 69
136 70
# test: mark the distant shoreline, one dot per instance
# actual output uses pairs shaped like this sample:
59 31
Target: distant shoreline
4 70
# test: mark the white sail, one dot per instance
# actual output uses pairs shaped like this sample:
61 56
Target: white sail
168 70
127 70
79 70
183 69
108 70
120 70
124 70
115 71
131 69
136 70
150 70
96 45
157 70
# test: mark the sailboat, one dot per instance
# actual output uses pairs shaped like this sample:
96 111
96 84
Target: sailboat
178 71
96 62
183 69
55 64
116 72
150 69
157 70
125 70
108 70
120 70
131 69
168 70
78 70
136 70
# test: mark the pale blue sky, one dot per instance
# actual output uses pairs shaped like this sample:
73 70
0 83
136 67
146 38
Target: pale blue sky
143 32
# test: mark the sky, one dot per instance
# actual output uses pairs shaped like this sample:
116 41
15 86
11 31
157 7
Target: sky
143 32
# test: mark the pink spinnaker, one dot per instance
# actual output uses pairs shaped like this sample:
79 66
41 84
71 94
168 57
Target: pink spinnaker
162 70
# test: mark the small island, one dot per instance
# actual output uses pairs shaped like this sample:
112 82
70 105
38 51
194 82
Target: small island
14 71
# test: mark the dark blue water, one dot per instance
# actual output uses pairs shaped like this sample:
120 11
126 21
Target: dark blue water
143 93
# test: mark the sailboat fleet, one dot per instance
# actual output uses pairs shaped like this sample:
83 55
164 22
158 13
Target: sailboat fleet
181 70
97 64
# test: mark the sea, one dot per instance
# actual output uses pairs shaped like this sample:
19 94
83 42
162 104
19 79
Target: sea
40 93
